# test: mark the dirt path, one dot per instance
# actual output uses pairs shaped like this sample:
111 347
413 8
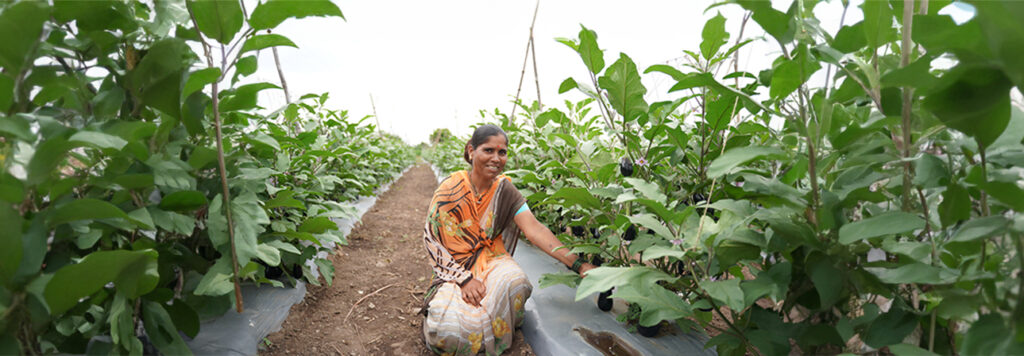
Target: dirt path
385 256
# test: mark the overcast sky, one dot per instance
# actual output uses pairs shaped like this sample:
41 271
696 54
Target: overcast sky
437 64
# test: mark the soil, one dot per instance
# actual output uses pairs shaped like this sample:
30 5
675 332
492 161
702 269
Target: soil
373 304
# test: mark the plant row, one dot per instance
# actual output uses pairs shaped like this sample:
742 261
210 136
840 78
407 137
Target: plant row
141 182
877 212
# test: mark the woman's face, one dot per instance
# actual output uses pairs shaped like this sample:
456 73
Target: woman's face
489 157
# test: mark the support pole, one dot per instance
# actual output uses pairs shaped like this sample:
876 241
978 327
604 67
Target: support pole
526 56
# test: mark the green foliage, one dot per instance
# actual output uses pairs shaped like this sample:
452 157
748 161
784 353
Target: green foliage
763 187
110 191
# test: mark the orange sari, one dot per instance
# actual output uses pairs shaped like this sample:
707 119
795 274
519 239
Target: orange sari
470 236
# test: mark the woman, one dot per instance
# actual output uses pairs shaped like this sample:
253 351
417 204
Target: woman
473 223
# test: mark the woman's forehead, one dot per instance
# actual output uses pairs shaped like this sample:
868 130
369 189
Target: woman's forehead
496 140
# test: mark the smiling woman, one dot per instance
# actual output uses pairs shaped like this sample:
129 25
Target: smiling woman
473 224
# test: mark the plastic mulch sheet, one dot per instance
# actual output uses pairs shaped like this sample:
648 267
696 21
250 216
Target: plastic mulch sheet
267 307
554 320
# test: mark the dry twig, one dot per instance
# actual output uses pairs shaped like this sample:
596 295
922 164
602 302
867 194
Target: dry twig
364 298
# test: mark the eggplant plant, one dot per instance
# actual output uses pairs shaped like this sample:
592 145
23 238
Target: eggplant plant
139 186
876 211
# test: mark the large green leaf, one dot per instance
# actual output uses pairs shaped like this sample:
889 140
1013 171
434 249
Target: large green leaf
776 23
249 219
604 278
850 38
772 283
625 91
1007 193
939 33
6 92
895 222
10 243
650 222
789 74
915 272
741 155
955 205
650 190
97 140
95 15
219 20
17 126
714 36
159 76
703 79
727 292
258 42
930 172
169 13
271 13
575 196
878 27
828 281
570 279
317 225
85 209
1003 31
11 189
47 157
21 24
593 56
244 97
134 273
199 79
183 200
890 328
973 99
980 228
656 303
990 335
161 330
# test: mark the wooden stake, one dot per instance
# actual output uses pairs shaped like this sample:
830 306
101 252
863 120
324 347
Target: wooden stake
526 56
375 117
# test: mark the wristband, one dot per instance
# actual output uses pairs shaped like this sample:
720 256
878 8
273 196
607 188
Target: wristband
576 265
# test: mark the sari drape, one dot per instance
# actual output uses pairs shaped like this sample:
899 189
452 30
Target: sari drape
472 236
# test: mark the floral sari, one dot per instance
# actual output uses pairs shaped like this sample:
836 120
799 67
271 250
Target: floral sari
470 236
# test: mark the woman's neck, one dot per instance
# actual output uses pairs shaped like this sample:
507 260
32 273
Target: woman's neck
480 183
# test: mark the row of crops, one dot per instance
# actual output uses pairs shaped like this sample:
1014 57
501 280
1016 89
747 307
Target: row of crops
141 182
877 212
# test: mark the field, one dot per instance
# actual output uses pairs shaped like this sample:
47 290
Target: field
873 212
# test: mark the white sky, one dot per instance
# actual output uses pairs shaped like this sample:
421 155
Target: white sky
437 64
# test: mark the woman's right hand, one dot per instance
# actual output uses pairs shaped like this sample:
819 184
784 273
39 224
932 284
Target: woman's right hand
473 292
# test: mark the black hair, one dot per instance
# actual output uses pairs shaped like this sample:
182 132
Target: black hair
480 135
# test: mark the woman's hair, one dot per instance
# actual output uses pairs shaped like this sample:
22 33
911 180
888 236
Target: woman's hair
480 136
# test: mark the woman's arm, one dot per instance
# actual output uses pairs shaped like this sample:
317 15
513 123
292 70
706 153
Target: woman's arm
539 235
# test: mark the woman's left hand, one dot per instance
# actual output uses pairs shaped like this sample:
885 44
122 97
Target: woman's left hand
586 267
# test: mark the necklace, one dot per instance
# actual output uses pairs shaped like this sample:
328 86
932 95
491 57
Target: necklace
479 196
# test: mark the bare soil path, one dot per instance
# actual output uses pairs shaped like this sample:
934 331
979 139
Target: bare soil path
385 270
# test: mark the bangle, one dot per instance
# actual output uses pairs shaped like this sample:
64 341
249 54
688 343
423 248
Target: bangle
576 265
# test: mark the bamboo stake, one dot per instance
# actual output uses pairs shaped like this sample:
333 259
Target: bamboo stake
526 56
375 117
533 54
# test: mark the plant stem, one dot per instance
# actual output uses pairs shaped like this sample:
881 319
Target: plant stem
931 334
1018 312
908 95
226 194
